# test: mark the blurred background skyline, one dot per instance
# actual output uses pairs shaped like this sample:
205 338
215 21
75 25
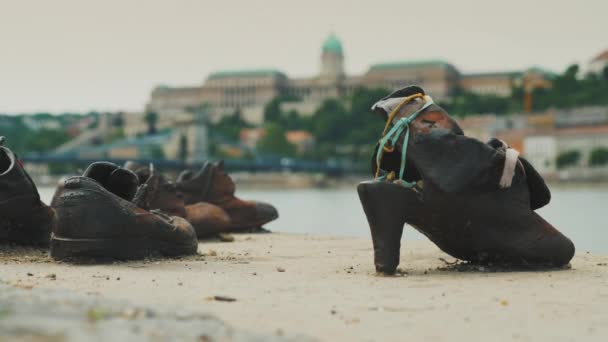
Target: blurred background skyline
282 90
79 56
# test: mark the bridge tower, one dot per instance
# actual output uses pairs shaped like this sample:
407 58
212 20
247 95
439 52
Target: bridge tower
199 136
190 141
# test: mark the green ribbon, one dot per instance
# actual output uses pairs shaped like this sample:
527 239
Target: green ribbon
393 135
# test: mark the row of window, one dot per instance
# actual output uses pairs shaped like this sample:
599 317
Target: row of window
239 91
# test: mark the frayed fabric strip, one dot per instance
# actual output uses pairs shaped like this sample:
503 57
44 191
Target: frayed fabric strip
504 144
389 105
511 159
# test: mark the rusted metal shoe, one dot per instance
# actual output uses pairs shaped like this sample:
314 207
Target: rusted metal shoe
208 219
157 192
213 185
475 201
24 219
96 219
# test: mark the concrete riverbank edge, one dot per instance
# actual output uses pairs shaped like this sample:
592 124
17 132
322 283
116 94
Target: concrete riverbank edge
297 287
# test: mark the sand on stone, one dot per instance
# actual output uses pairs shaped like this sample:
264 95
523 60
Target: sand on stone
329 290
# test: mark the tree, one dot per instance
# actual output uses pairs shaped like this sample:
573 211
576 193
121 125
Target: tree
365 127
230 126
599 156
569 90
272 110
568 158
467 103
45 140
274 142
151 119
156 152
330 122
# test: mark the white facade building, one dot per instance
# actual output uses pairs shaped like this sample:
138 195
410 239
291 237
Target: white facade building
541 152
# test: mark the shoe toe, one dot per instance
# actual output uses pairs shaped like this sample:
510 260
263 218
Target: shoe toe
207 218
184 229
265 212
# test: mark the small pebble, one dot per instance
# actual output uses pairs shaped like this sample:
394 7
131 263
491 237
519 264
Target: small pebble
224 299
225 237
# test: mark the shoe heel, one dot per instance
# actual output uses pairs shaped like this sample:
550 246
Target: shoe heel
34 227
386 206
84 214
110 249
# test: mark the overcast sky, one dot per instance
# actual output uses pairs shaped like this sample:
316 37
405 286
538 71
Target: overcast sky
81 55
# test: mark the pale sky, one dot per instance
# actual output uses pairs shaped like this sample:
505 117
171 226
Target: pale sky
81 55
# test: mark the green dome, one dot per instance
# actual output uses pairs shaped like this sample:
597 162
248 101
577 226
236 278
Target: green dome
332 44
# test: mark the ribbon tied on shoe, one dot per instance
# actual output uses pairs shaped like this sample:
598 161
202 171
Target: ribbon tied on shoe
389 139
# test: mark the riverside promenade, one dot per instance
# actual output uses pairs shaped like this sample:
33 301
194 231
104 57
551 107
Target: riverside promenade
301 287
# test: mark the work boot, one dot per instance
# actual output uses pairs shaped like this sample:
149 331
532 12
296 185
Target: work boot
212 184
156 192
24 219
97 219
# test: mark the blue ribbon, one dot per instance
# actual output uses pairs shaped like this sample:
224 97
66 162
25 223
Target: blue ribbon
393 135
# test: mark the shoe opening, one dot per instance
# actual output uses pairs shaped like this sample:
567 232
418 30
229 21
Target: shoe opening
391 163
6 161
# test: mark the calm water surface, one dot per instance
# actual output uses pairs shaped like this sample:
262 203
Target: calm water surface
579 212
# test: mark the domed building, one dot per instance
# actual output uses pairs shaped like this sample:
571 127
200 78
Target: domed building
332 59
250 90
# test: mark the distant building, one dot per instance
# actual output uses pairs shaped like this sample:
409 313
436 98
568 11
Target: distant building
249 137
146 147
481 127
598 64
302 140
542 150
37 124
492 83
249 91
582 116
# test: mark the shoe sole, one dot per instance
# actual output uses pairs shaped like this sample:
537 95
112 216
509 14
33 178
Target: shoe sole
121 249
255 225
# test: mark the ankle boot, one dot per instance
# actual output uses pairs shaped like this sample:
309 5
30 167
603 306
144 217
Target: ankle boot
97 219
213 185
24 219
387 207
156 192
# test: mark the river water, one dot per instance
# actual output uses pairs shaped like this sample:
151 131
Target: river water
578 211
